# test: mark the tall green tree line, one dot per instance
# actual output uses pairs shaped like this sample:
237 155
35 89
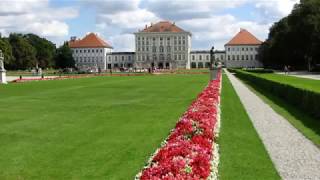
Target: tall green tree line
295 39
26 51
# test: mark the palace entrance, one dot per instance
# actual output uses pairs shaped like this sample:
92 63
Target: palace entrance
160 65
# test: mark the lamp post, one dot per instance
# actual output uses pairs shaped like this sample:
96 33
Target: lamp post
3 78
212 68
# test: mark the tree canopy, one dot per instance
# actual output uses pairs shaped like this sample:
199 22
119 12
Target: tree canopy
64 57
26 51
295 39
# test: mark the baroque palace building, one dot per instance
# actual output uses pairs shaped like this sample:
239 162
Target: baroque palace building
163 45
90 52
242 50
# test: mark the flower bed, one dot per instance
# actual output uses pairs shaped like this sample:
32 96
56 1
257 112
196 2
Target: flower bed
188 152
73 77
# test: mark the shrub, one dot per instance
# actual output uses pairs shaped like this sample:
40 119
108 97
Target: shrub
305 99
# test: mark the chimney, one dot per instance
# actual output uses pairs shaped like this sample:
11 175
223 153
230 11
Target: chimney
73 38
146 27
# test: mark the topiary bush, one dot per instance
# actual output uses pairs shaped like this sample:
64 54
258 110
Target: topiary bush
307 100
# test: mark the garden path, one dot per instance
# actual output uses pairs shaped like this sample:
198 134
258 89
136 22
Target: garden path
295 157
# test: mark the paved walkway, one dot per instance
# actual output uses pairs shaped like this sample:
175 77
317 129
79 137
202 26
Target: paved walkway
294 156
303 74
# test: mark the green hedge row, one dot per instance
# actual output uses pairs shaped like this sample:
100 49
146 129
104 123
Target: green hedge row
307 100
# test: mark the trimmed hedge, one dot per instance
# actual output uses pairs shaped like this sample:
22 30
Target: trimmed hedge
307 100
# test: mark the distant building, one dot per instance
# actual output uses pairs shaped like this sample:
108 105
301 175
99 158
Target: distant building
120 60
162 45
90 52
201 59
242 50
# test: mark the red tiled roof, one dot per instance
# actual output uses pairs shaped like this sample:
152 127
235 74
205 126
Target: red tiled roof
244 37
89 41
163 26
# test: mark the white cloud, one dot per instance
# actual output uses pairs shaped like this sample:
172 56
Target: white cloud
181 9
123 42
35 16
218 30
127 19
275 9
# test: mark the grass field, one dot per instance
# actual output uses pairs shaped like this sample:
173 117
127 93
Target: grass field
90 128
242 154
304 83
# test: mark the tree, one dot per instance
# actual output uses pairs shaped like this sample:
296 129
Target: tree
45 50
64 57
295 39
23 51
7 52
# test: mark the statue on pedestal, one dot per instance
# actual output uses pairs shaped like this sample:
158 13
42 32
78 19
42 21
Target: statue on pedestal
212 68
3 76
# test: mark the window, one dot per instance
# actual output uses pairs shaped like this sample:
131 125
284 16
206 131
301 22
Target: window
122 57
247 57
184 42
84 51
200 57
101 50
233 57
175 57
80 51
76 51
168 48
161 49
192 57
116 58
154 49
242 57
179 57
238 57
129 58
229 58
207 57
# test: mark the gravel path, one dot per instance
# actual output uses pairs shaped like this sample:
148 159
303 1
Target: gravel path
294 156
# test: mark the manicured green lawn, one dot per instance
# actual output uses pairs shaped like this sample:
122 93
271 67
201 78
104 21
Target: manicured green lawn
90 128
242 154
304 83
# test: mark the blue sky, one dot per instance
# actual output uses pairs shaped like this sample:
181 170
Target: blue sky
209 21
